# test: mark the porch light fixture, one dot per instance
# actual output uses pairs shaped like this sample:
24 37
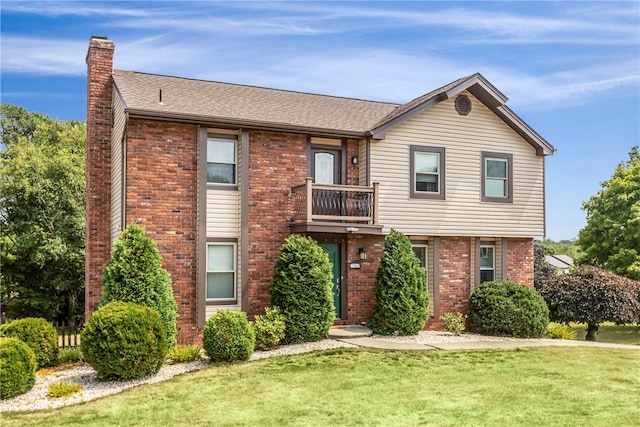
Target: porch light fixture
354 160
352 229
362 253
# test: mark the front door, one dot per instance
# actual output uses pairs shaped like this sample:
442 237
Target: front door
333 250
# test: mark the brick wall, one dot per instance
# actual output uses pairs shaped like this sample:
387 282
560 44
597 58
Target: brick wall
360 282
520 261
98 186
277 162
161 196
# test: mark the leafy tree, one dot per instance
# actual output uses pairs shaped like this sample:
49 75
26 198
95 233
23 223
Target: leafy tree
401 298
301 289
562 247
135 274
542 270
42 214
592 295
611 238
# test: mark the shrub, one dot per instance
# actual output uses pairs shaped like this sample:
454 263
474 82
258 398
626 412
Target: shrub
184 353
269 329
507 308
453 322
135 274
592 295
560 331
301 289
124 340
63 389
228 337
71 355
401 298
37 333
17 367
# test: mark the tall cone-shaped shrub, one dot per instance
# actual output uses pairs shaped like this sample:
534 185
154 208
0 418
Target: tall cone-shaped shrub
135 274
401 298
301 289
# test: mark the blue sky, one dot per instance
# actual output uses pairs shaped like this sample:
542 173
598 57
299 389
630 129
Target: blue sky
571 70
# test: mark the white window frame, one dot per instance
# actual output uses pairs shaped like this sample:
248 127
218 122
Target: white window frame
234 247
493 263
228 139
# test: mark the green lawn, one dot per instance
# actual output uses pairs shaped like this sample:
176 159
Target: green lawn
558 386
609 332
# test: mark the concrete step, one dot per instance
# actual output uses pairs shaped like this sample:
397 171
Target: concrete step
349 331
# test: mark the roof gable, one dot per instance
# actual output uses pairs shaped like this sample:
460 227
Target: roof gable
479 87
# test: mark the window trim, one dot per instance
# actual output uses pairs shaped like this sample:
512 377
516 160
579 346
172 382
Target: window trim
424 246
233 300
413 193
226 138
486 155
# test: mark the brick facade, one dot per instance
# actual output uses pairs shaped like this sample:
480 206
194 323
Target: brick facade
520 261
161 195
98 174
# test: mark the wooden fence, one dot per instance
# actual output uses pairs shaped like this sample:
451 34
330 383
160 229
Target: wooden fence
68 333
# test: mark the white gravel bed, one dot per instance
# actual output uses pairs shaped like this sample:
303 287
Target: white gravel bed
83 374
427 337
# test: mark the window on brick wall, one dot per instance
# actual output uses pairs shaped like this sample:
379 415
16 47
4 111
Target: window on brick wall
221 272
427 172
487 263
221 159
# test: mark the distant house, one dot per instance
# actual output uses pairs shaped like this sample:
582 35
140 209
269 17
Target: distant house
562 263
220 174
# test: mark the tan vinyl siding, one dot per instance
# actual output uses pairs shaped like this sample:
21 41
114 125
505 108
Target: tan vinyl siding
117 168
462 213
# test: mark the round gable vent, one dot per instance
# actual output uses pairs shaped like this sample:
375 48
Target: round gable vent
463 105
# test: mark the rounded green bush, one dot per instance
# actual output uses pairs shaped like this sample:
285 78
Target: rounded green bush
17 367
269 329
37 333
124 340
228 337
301 289
508 309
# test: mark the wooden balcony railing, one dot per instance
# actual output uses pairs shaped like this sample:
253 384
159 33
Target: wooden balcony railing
335 203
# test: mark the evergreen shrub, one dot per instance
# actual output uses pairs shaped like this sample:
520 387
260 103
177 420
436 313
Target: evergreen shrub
228 337
401 302
301 288
184 353
37 333
135 274
505 308
269 329
17 367
124 340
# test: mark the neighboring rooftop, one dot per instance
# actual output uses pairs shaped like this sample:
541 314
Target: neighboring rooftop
562 262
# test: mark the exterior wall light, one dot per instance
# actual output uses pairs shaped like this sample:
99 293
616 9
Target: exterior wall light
354 160
362 253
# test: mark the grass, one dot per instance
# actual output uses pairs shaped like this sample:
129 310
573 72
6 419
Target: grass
557 386
609 332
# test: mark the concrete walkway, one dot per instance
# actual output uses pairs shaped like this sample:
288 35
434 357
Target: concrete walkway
363 337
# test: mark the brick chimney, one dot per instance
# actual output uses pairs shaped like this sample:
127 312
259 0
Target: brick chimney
98 199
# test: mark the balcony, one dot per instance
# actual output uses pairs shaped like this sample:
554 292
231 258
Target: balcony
320 208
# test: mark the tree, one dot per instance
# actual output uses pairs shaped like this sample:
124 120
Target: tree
592 295
401 298
42 214
135 274
301 289
542 270
611 238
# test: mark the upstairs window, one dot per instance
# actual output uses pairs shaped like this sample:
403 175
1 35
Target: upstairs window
427 172
221 159
497 177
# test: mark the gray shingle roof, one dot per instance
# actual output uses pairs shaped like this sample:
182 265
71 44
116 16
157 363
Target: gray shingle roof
240 104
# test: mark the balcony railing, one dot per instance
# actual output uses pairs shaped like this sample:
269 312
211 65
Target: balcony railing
335 203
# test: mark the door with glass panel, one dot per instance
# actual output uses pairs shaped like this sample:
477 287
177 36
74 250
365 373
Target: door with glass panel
325 170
